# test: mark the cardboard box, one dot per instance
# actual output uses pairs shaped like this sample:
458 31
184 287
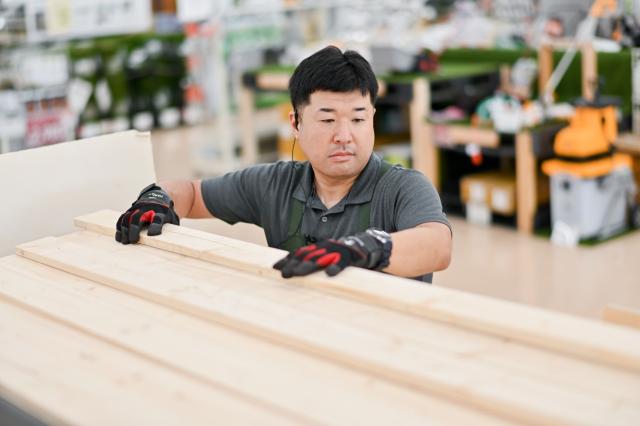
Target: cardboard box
497 190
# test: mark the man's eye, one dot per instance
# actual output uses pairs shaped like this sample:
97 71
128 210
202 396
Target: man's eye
327 120
358 120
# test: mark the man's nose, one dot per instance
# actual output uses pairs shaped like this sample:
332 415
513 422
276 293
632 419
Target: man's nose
343 133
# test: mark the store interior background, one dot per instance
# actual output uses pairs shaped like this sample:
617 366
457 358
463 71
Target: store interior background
76 69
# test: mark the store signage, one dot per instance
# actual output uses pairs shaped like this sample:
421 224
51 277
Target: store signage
65 19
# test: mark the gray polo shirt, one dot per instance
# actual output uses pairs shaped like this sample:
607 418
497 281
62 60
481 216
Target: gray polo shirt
262 195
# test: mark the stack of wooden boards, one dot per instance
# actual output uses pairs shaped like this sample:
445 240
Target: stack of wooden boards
193 328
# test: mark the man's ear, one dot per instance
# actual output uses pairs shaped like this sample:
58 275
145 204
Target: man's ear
294 123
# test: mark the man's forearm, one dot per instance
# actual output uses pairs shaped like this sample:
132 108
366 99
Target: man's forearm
187 198
420 250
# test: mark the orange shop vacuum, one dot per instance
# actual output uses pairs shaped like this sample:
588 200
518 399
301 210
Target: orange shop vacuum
592 186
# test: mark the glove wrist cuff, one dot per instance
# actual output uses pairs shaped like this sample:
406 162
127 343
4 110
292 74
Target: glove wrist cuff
375 244
151 187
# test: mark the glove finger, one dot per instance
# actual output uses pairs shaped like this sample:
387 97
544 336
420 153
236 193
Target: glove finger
134 234
335 269
125 234
133 218
302 252
119 228
280 263
314 255
124 227
305 268
328 259
147 217
156 226
138 221
287 269
333 263
134 226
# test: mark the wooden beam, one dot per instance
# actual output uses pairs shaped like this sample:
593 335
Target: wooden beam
461 377
63 376
558 332
622 315
307 388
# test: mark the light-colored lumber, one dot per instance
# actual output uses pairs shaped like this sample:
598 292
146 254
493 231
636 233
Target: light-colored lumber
459 377
579 337
430 337
43 187
419 333
622 315
425 335
308 387
63 376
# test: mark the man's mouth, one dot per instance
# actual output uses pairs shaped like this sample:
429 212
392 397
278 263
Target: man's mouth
341 154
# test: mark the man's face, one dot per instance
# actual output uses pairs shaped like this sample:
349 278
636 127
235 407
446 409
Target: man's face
335 132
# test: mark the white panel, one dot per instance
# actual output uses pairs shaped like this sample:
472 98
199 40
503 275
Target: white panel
43 189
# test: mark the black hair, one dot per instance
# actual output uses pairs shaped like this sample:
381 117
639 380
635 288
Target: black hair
331 70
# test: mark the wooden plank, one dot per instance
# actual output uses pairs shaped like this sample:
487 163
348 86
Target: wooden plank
63 376
46 186
458 377
424 335
308 388
579 337
622 315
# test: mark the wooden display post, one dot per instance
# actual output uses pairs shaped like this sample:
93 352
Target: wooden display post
589 67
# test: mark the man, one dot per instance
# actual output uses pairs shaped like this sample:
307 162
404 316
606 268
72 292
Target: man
333 211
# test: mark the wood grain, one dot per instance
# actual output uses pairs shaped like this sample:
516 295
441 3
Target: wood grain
303 387
566 334
63 376
461 377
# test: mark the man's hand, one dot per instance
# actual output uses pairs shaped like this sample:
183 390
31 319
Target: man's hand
153 207
370 249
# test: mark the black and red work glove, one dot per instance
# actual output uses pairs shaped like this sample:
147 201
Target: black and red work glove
370 249
153 208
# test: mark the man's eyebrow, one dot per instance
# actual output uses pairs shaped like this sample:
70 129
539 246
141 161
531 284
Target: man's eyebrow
356 109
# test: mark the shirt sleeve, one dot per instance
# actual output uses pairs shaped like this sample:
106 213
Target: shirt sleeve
417 202
238 196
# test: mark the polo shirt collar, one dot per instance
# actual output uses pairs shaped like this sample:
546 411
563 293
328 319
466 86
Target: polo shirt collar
361 192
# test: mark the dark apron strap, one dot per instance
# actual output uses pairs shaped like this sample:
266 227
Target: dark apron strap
365 208
295 239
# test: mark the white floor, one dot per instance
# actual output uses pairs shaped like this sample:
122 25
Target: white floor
493 261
